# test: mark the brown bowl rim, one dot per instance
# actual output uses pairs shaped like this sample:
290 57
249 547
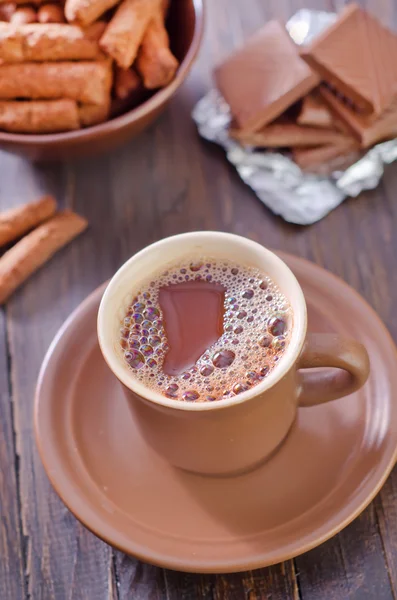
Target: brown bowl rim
118 123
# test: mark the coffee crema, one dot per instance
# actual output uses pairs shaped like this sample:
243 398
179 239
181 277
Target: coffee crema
205 330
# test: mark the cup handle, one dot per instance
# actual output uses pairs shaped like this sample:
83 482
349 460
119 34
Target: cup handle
351 368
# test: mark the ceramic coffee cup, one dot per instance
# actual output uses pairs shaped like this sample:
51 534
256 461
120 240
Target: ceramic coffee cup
231 435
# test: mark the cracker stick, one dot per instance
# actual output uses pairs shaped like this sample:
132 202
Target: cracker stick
38 116
126 81
32 251
24 15
164 6
95 31
155 62
128 91
51 13
124 34
45 42
85 12
23 1
85 81
92 114
17 221
7 10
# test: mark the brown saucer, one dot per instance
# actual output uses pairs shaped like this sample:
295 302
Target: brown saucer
334 461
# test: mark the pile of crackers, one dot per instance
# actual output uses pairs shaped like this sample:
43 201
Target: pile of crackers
326 102
73 65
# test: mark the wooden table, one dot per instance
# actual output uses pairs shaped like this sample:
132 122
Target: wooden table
164 182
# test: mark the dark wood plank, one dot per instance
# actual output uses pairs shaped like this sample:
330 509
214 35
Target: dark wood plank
138 580
351 565
277 582
63 560
12 579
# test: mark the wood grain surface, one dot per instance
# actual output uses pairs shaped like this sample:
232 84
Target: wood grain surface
164 182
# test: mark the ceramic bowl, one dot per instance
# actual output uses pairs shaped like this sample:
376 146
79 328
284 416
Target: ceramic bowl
185 25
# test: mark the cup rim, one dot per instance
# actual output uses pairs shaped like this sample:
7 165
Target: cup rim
292 352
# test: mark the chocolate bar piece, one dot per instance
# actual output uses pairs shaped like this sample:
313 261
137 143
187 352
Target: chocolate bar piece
367 129
356 55
281 135
309 159
315 113
262 79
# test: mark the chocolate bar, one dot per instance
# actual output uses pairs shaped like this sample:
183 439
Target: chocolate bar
367 129
262 79
309 159
281 135
315 113
356 55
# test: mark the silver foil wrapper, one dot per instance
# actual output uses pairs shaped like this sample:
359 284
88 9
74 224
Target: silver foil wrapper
278 182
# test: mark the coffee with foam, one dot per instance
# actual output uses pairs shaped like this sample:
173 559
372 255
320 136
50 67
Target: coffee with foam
237 310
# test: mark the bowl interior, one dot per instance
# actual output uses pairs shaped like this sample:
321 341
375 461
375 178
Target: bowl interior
181 23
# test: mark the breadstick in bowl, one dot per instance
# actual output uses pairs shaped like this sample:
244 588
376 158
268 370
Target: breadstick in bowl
7 9
83 81
125 32
23 16
32 251
50 13
126 81
45 42
38 116
92 114
85 12
155 62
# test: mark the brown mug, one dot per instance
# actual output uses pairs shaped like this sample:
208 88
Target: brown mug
231 435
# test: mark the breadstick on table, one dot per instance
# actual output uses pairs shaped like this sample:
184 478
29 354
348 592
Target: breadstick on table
17 221
38 116
84 81
32 251
85 12
45 42
155 62
124 34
